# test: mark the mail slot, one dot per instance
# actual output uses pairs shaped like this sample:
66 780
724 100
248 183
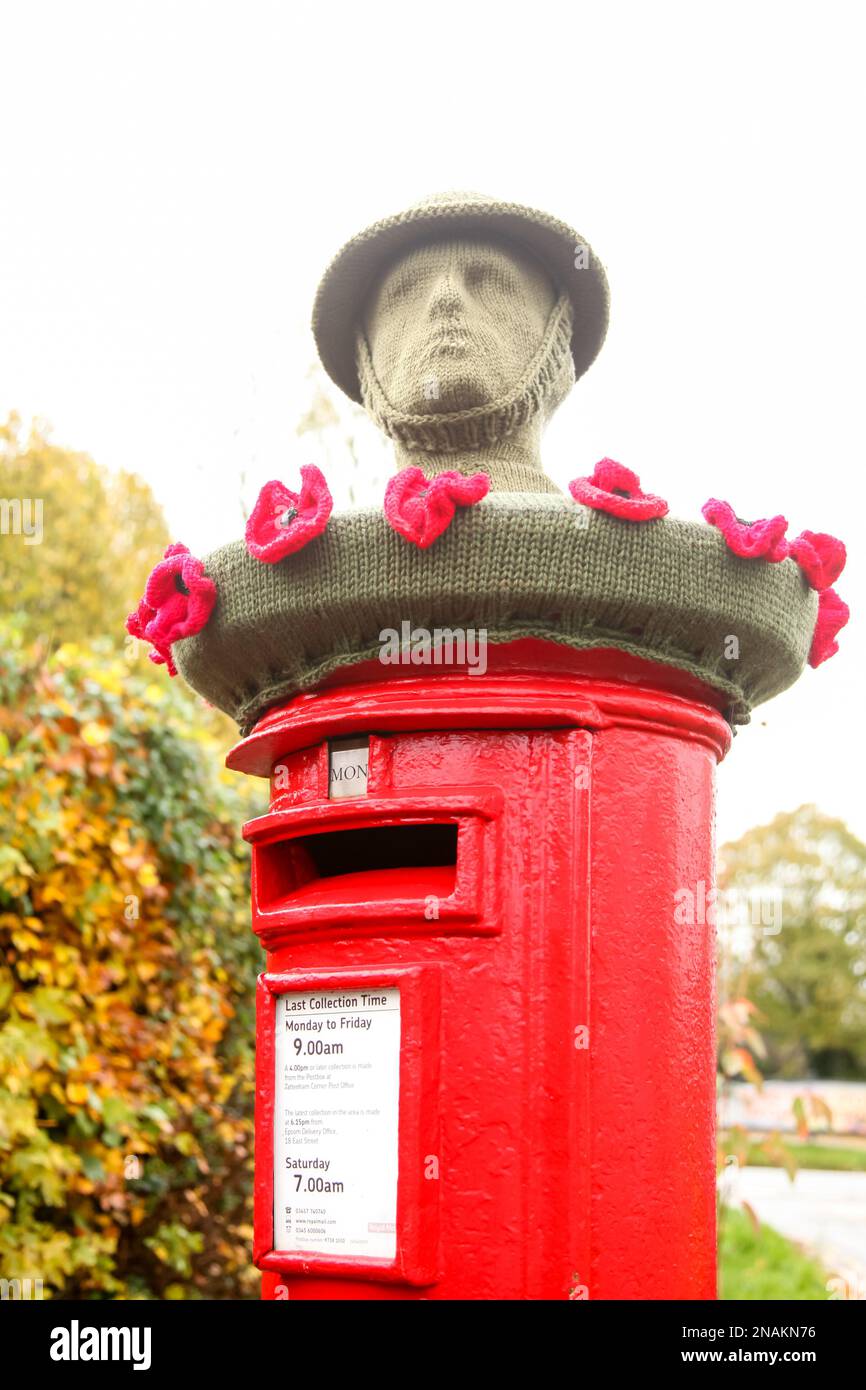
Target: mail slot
485 1057
424 860
384 861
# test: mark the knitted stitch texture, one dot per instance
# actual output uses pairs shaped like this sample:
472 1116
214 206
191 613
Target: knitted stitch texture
519 565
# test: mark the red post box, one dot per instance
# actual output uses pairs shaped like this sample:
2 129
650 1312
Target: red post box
485 1030
485 1051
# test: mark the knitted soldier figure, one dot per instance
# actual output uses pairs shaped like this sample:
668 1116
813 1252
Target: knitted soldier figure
461 324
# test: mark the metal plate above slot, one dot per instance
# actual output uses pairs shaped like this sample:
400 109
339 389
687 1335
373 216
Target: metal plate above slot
348 767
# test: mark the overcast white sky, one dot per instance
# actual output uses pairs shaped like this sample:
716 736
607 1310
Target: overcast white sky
176 176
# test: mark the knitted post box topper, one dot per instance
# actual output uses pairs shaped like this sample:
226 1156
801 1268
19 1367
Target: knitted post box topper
461 324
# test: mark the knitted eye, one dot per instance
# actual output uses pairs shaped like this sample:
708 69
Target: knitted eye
400 288
476 275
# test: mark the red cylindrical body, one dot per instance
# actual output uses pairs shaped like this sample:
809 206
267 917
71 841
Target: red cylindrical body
555 1130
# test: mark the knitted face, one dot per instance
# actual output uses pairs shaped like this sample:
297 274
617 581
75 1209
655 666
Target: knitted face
454 325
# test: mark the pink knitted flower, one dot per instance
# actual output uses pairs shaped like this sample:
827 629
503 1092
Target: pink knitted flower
820 557
181 597
750 540
613 488
833 614
420 509
282 521
136 626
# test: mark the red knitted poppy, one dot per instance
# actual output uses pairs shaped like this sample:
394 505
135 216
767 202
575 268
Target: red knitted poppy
833 614
136 625
420 509
615 489
283 521
750 540
181 596
821 557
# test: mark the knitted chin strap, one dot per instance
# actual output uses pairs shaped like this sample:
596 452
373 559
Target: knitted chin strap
500 438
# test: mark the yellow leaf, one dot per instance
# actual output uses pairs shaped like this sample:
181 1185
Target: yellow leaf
25 941
109 680
95 734
67 654
77 1093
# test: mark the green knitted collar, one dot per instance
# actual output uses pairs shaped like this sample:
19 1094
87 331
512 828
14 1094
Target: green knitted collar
517 564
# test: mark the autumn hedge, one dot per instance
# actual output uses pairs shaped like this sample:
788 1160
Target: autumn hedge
126 984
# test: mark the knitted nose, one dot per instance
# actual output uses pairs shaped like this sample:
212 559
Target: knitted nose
446 301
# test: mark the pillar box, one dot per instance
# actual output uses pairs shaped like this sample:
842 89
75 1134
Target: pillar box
476 1010
490 714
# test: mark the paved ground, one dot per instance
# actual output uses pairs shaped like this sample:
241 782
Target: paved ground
822 1210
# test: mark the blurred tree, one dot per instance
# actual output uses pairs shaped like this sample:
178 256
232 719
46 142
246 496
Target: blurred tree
101 535
808 980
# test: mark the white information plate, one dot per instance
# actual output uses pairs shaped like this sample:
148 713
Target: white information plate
348 766
336 1122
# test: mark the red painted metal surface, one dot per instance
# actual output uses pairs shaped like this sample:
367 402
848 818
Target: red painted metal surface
557 1021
